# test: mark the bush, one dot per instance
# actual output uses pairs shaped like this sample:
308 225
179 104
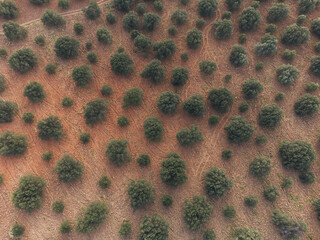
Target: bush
271 28
238 56
47 156
216 183
154 72
259 66
150 21
239 130
63 4
270 193
125 228
140 193
316 47
132 97
251 88
295 35
184 2
111 18
65 227
84 138
243 107
222 29
23 60
311 87
207 8
277 12
251 201
233 5
270 116
242 38
301 19
134 34
123 6
153 129
267 46
179 17
92 57
7 111
123 121
93 11
229 212
51 68
66 47
29 194
249 20
52 19
226 15
117 152
143 160
172 31
78 28
209 235
196 212
9 10
207 67
28 117
166 200
131 21
180 76
261 139
104 36
213 120
67 102
164 49
226 154
287 227
3 53
287 74
154 227
93 216
315 66
141 8
289 55
194 105
279 96
158 6
143 43
194 38
306 105
1 179
184 56
260 167
39 2
121 64
307 177
58 206
17 230
246 233
104 182
286 182
34 92
106 90
68 169
168 102
82 75
188 137
306 6
173 170
95 111
200 22
316 205
89 45
221 99
50 128
14 32
315 27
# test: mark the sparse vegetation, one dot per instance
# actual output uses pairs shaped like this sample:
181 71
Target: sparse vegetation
125 228
17 230
104 182
58 206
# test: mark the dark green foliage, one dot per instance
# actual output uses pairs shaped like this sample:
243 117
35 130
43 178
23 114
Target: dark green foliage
229 212
122 5
168 102
164 49
184 56
143 43
106 90
196 212
295 35
9 9
68 169
3 53
289 55
251 88
287 227
153 129
150 21
92 57
111 18
194 105
52 19
125 229
39 2
188 137
51 68
312 87
78 28
226 154
260 167
226 15
12 144
316 205
255 4
207 8
95 111
29 194
239 130
207 67
238 56
271 193
251 201
121 64
63 4
89 45
315 27
131 21
270 116
65 227
93 11
47 156
179 17
279 96
243 107
82 75
307 105
158 6
267 46
141 8
180 76
261 139
259 66
132 97
28 117
34 92
123 121
246 233
104 182
58 206
154 227
23 60
306 6
134 34
242 38
287 74
173 170
1 179
222 29
13 31
17 230
316 47
249 20
301 19
194 38
7 111
67 102
221 99
84 138
143 160
271 28
286 182
140 193
233 5
277 12
50 128
216 182
307 177
213 120
66 47
209 235
200 22
172 31
184 2
166 200
117 152
315 66
154 71
104 36
93 216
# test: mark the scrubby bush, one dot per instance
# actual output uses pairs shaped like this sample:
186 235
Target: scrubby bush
29 194
251 88
267 46
184 56
251 201
121 64
271 193
68 169
122 5
52 19
307 177
78 28
66 47
222 29
238 56
58 206
143 160
47 156
194 105
241 233
216 183
277 12
67 102
226 154
271 28
286 182
301 19
154 72
141 8
179 17
153 129
168 102
154 227
209 235
50 128
140 193
316 47
180 76
172 31
239 130
13 144
315 27
117 152
39 2
150 21
229 212
200 22
249 20
213 120
131 21
196 212
111 18
34 92
316 205
311 87
3 53
259 66
23 60
82 75
221 99
51 68
9 9
158 6
104 36
125 228
306 6
7 111
93 216
16 230
188 137
63 4
255 4
28 117
164 49
65 227
194 38
88 45
166 200
92 57
84 138
123 121
95 111
93 11
315 66
207 67
207 8
233 5
260 167
289 55
106 90
295 35
243 107
13 31
261 139
104 182
132 97
143 43
287 74
184 2
134 34
270 116
226 15
307 105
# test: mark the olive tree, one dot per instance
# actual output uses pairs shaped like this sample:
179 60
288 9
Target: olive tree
93 10
222 29
132 97
50 128
268 45
52 19
207 8
154 71
23 60
239 130
9 9
164 49
95 111
249 20
168 102
34 92
277 12
221 99
8 110
180 75
68 169
66 47
117 152
12 144
154 227
153 129
131 21
13 31
315 66
188 137
104 36
194 105
121 64
307 105
122 5
142 43
82 75
295 35
251 88
216 183
270 116
315 27
141 193
179 17
238 56
150 21
260 167
194 38
287 74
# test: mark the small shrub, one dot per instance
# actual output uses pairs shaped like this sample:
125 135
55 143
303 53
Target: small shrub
289 55
259 66
301 19
153 129
222 29
221 99
68 169
255 4
238 56
121 64
67 102
184 2
251 201
14 32
39 2
93 11
271 28
233 5
249 20
184 56
306 6
17 230
66 47
3 53
207 8
311 87
154 72
58 206
246 233
52 19
154 227
307 177
40 40
28 117
104 182
207 67
88 45
123 121
134 34
51 68
117 152
63 4
229 212
279 96
200 22
267 47
287 74
23 60
84 138
194 105
209 235
140 193
9 9
1 179
270 193
316 47
65 227
168 102
164 49
180 76
131 21
125 228
239 130
95 111
260 167
286 182
316 205
315 27
143 43
277 12
47 156
251 88
132 97
307 105
188 137
261 139
179 17
82 75
295 35
194 38
270 116
104 36
143 160
78 28
227 78
123 6
50 128
141 8
150 21
216 183
166 200
111 18
213 120
226 15
172 31
242 38
7 111
158 6
34 92
315 66
226 154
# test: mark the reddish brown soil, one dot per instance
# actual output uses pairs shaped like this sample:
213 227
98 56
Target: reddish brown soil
44 224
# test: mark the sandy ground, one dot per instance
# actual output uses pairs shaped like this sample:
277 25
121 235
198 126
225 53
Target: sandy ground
44 224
